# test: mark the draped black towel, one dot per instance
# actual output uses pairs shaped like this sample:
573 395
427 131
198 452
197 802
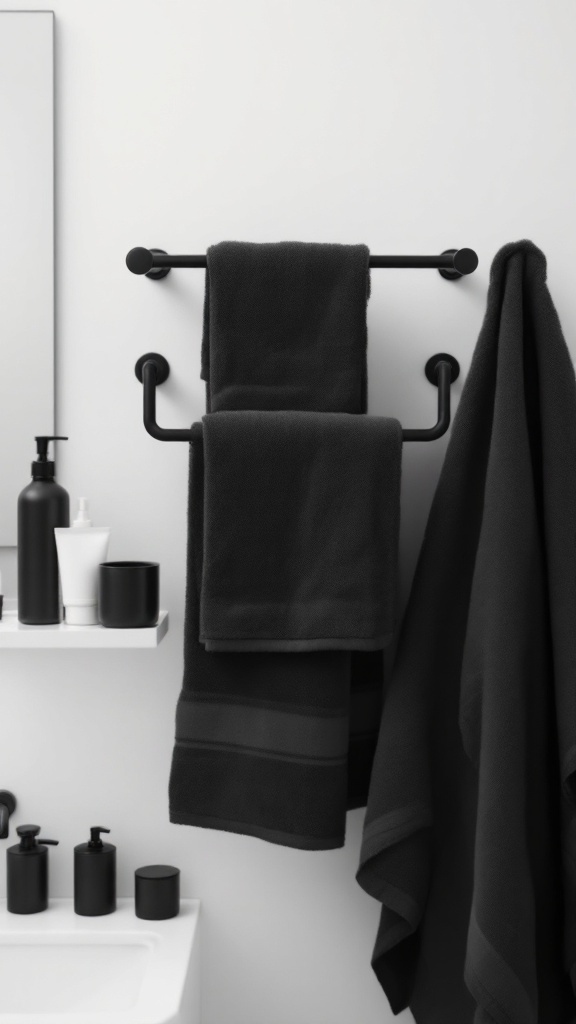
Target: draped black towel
285 326
270 744
300 531
470 834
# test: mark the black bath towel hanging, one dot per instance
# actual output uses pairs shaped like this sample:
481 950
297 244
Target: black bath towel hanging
269 744
470 834
302 513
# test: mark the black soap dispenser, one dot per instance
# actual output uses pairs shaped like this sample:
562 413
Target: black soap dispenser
27 872
95 876
42 505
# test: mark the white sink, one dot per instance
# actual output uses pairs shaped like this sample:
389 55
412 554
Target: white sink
58 968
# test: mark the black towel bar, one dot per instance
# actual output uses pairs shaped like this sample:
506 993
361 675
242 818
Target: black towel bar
153 369
451 264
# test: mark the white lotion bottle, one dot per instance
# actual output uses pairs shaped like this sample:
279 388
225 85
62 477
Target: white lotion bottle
81 547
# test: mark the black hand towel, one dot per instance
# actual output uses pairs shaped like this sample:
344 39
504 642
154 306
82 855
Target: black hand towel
270 744
285 326
470 833
301 531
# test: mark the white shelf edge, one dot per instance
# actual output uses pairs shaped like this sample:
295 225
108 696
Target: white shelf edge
14 635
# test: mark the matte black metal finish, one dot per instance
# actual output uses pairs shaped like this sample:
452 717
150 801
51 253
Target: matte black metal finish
441 370
464 261
143 261
157 892
129 594
7 807
151 374
452 263
162 367
95 876
433 365
27 872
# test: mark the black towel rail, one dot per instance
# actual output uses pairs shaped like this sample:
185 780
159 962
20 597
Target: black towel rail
152 369
451 264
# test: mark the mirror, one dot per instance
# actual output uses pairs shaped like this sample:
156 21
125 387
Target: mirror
26 250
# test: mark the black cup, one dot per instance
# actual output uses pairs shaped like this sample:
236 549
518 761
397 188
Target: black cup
129 594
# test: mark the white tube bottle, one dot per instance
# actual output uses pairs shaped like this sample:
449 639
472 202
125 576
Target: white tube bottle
81 547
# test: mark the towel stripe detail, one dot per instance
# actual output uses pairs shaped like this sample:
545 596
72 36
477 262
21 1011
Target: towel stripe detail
273 732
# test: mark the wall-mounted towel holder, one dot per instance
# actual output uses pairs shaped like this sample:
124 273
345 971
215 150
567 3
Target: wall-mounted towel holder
153 369
451 264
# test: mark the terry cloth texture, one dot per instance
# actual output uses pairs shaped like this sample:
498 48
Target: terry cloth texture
270 744
301 531
470 834
285 326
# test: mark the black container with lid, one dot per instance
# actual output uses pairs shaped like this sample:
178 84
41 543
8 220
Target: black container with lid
157 892
128 594
42 506
95 876
27 872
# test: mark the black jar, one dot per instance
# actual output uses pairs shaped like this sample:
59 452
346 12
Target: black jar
157 892
129 594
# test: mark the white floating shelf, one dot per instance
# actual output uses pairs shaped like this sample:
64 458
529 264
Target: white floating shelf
14 634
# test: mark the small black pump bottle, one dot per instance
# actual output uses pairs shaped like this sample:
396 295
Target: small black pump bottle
95 876
27 872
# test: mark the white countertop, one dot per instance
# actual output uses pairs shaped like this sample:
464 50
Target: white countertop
57 967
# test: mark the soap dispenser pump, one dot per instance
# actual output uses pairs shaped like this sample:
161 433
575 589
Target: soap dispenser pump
95 876
27 871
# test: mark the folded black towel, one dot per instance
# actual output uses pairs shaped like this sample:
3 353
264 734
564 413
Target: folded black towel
270 744
470 834
285 326
301 531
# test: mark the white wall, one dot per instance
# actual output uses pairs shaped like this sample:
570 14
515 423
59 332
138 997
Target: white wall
411 126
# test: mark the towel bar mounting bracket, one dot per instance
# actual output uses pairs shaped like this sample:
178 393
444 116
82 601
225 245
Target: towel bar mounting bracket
152 369
162 367
142 262
431 368
465 262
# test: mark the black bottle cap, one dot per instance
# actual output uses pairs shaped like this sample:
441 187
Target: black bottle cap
157 892
42 468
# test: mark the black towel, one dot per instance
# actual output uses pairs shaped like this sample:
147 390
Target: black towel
276 745
470 833
285 326
301 531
